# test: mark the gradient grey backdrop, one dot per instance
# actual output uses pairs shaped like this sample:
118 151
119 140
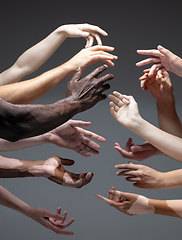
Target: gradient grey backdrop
131 25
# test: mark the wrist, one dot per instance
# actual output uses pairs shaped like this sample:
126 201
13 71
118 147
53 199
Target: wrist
37 169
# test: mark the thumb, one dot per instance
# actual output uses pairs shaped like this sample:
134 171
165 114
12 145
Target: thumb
67 162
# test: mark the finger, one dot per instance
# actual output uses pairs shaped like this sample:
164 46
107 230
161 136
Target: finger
79 123
88 177
97 37
116 100
56 229
128 144
92 28
147 61
132 179
104 199
77 76
127 173
111 197
98 71
82 152
67 162
90 40
105 78
114 108
154 69
152 52
127 166
121 194
93 148
94 136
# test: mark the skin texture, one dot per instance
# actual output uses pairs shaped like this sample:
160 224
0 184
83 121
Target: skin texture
34 57
23 121
69 135
52 169
133 204
125 110
53 221
162 59
25 92
162 90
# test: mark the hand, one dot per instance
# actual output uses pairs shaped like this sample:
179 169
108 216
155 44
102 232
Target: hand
70 135
52 221
127 203
88 91
163 59
124 109
141 176
91 55
89 32
160 88
137 152
55 172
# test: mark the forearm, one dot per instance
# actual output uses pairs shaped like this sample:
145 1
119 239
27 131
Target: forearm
33 58
28 91
9 200
169 180
168 118
23 143
24 121
165 142
167 207
14 168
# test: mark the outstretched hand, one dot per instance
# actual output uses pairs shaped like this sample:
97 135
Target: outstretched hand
70 135
127 203
55 172
52 221
160 88
137 152
162 59
91 55
141 176
88 91
88 31
124 109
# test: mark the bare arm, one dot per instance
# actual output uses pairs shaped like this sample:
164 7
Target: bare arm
23 121
28 91
34 57
52 169
125 111
145 177
162 90
69 135
162 59
52 221
134 204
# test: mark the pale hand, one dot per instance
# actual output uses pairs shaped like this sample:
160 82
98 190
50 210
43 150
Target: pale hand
88 31
141 176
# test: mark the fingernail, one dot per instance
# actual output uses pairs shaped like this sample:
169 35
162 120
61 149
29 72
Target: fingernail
116 166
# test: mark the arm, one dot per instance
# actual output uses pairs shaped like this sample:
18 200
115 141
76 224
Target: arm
52 221
162 90
146 177
34 57
134 204
23 121
69 135
137 152
163 59
125 111
51 169
28 91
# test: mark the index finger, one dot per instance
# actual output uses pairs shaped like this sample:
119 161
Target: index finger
153 52
127 166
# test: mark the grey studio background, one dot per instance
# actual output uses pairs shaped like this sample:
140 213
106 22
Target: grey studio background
131 25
